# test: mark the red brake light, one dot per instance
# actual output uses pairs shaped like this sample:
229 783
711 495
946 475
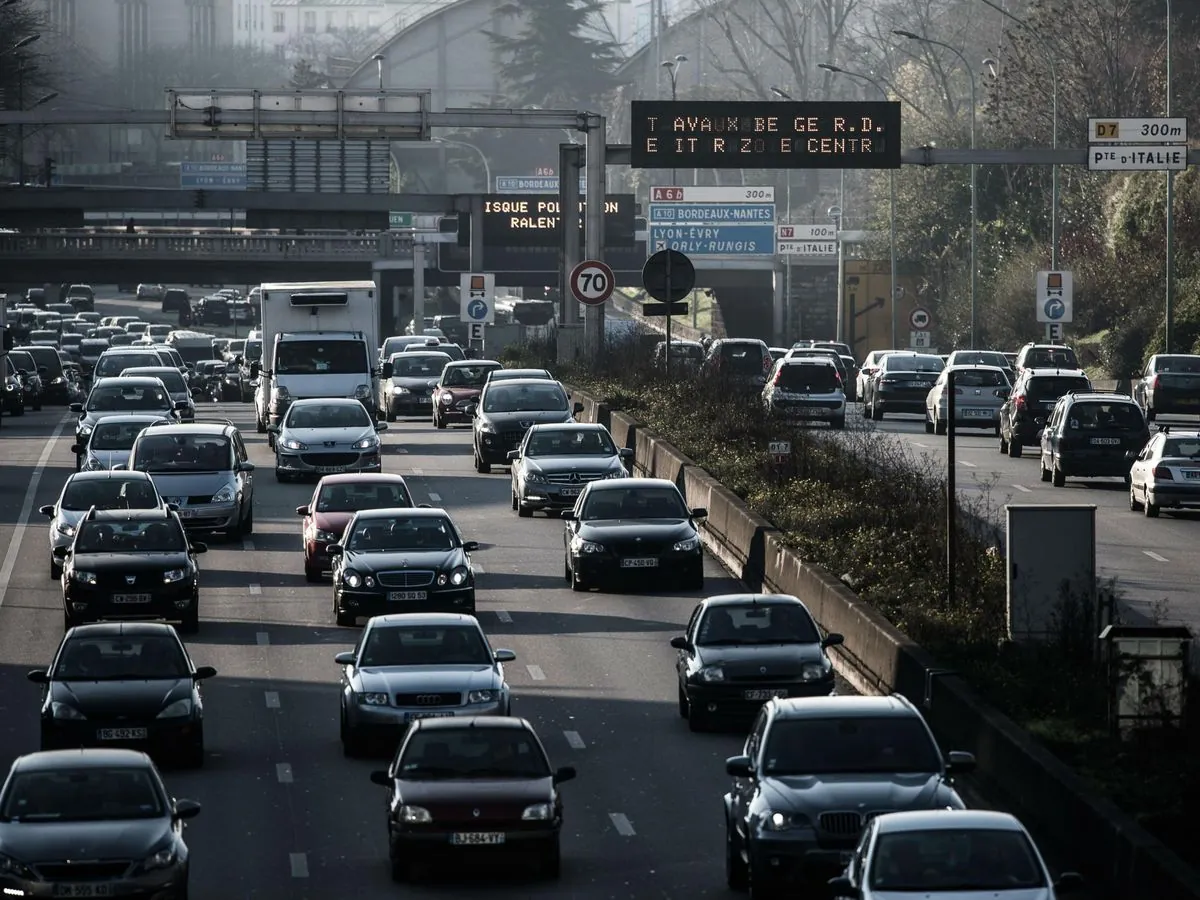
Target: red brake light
839 378
778 376
767 363
1164 473
1020 402
1154 384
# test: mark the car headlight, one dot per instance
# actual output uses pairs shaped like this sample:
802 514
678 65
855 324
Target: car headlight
372 698
178 708
352 579
65 711
84 430
538 812
481 696
292 444
617 473
686 546
535 478
65 528
16 868
446 398
160 860
327 537
367 443
711 674
93 465
485 426
224 495
457 577
415 815
814 671
173 575
362 392
397 389
84 577
783 821
579 545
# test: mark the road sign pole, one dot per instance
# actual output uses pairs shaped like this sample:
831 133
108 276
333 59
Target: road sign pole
667 349
594 170
568 199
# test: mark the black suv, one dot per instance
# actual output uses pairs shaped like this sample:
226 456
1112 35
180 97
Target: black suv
1045 356
814 771
132 564
1092 433
1025 411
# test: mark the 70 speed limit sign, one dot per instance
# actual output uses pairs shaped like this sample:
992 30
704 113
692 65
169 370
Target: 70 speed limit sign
592 282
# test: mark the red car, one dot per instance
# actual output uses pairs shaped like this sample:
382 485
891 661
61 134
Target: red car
460 385
334 502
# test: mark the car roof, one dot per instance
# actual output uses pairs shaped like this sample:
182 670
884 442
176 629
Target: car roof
568 426
516 372
116 629
758 599
947 820
1106 396
424 512
458 363
128 349
417 354
130 515
454 723
800 359
910 353
617 483
200 427
125 418
422 619
1051 372
844 707
320 401
136 381
84 758
147 371
363 478
111 474
1170 431
972 367
521 382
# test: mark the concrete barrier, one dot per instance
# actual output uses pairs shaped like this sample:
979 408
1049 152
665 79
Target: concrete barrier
1119 858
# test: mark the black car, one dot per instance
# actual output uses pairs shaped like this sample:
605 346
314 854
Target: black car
1033 397
27 374
470 787
213 310
118 684
631 529
92 823
401 560
901 384
407 382
554 462
1093 433
742 650
122 396
12 400
56 387
82 297
131 564
813 772
507 409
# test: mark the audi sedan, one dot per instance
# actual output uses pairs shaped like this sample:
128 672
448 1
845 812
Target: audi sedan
326 437
554 462
418 666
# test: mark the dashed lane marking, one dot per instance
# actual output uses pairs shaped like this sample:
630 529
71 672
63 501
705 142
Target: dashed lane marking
574 741
272 698
536 673
504 616
1022 489
622 824
35 480
248 545
420 473
283 771
969 465
256 589
1154 556
299 864
262 639
436 498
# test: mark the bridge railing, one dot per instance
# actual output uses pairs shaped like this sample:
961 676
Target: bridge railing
83 244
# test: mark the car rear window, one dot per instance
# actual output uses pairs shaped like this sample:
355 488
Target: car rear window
1186 365
742 357
980 378
1097 416
1051 358
912 364
1051 388
807 379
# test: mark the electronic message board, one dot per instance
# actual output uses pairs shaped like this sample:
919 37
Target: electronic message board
534 220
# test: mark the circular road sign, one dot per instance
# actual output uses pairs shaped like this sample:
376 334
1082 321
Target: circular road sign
592 282
919 319
477 310
668 267
1055 309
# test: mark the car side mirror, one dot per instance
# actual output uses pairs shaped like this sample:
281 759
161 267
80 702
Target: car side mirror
60 552
833 640
246 466
335 549
514 455
346 659
471 408
272 429
577 408
181 405
383 779
199 547
625 453
681 643
381 426
504 656
960 762
568 514
203 673
566 773
47 511
386 370
185 809
739 767
78 449
76 407
842 887
699 512
470 546
302 510
1069 883
38 676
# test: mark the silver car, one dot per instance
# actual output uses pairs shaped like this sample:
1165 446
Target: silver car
326 437
979 392
412 666
554 462
103 490
112 440
806 388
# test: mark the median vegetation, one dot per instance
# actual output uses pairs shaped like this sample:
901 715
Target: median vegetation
873 515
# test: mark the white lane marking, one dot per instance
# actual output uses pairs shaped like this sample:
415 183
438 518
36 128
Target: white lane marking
574 741
262 639
35 480
256 589
272 698
248 545
536 673
283 771
922 446
504 616
1154 556
478 567
969 465
419 472
299 864
1022 489
436 498
622 824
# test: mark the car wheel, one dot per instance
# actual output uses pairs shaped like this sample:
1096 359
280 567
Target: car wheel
1044 473
480 466
248 525
515 503
524 512
68 621
1057 478
37 403
1134 506
190 623
996 431
390 414
260 426
1151 415
399 866
1150 509
567 571
1014 448
928 424
352 742
19 409
577 583
876 413
552 859
343 619
78 463
939 427
684 708
311 575
697 719
1003 442
55 570
736 875
438 422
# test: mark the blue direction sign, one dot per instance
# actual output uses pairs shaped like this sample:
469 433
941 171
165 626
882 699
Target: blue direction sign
212 176
532 184
714 240
699 213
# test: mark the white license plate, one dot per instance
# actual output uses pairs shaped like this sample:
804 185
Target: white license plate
122 734
83 890
408 595
1191 473
639 563
813 411
570 492
765 695
478 838
1106 442
977 413
131 598
330 470
409 717
187 513
424 399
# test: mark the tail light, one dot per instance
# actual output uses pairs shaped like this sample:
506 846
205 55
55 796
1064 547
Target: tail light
839 378
778 376
767 362
1163 473
1154 384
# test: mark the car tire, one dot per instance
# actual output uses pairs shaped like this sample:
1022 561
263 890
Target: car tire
1134 506
55 570
1151 510
352 742
1003 442
399 867
1014 448
1043 472
551 861
248 525
876 413
939 427
343 619
996 431
37 404
684 707
567 577
515 503
578 584
697 720
439 422
480 466
737 877
523 511
190 622
259 425
389 414
928 424
19 409
1151 415
68 621
1057 478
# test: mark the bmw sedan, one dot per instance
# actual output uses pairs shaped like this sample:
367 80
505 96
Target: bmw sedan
112 440
554 462
326 437
624 531
507 409
418 666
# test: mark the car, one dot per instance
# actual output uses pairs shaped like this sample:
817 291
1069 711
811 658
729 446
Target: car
124 683
632 529
204 471
686 356
949 854
12 401
513 374
36 296
397 343
401 560
137 329
982 358
414 666
115 360
407 383
806 388
63 310
90 351
979 392
101 490
777 353
1170 385
150 291
554 462
458 389
741 650
868 369
432 345
32 389
334 502
1031 400
900 384
461 786
120 396
813 771
123 340
133 564
81 297
1093 433
1045 356
175 300
1166 474
173 381
507 409
44 337
743 361
820 353
112 440
326 437
92 823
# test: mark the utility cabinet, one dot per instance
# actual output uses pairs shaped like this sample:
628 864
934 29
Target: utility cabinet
1051 572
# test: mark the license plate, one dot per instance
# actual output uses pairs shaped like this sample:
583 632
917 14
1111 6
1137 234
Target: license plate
131 598
1106 442
765 695
408 595
122 734
812 411
640 563
83 890
424 399
330 470
570 492
478 838
187 513
977 413
1191 473
409 717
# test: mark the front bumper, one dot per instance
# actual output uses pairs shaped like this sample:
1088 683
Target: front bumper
520 838
92 604
367 603
162 884
673 565
209 517
548 495
393 721
309 462
798 858
163 736
410 404
453 412
729 700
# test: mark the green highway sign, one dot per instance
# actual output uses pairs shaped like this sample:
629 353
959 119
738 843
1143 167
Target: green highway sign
400 220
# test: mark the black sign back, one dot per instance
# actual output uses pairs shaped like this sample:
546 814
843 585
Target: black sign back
622 257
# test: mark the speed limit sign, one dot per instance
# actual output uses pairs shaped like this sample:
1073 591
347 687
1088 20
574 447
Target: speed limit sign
592 282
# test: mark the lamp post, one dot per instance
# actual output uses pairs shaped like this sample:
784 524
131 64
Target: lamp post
784 95
878 85
487 169
379 58
1049 51
672 66
1169 300
787 271
974 175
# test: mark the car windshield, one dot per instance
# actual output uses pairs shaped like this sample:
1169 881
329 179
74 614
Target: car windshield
171 451
807 379
425 645
1182 365
756 623
1051 358
328 415
125 657
912 364
570 443
253 351
955 860
116 363
635 503
394 533
541 397
23 361
108 493
980 358
1105 417
742 358
195 351
397 344
1053 387
465 376
110 397
839 349
859 744
408 365
472 753
343 497
974 378
160 536
118 435
86 794
320 358
1182 448
172 379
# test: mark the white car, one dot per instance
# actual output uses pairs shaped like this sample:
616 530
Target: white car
949 854
979 392
1166 473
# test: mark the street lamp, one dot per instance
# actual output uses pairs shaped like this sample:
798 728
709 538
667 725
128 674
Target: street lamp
974 174
875 83
672 66
487 169
379 58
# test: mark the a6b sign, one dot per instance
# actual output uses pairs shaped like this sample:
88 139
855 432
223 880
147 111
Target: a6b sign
592 282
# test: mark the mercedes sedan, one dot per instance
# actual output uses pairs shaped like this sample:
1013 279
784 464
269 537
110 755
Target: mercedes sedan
418 666
325 437
507 409
554 462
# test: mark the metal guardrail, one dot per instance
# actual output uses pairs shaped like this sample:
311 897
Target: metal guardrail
216 247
